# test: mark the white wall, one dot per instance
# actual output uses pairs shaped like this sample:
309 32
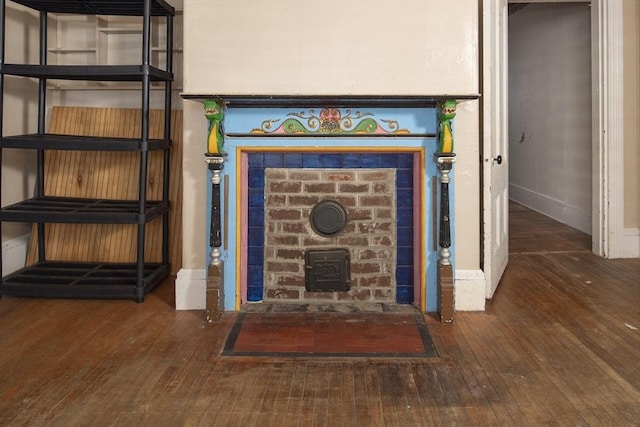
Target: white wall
550 111
331 47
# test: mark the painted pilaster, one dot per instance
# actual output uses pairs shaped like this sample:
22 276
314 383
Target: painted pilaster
215 162
445 158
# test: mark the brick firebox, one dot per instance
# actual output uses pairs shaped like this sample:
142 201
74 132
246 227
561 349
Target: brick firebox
369 197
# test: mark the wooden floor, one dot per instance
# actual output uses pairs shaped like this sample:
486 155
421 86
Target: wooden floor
558 345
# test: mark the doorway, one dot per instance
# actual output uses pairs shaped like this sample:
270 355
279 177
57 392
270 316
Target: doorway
550 136
607 139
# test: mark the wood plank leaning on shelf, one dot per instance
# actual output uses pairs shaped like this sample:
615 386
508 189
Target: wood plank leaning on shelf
112 175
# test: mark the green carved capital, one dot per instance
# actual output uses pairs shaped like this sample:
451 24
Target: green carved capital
214 112
446 113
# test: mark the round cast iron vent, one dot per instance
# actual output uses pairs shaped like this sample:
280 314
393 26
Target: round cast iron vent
328 218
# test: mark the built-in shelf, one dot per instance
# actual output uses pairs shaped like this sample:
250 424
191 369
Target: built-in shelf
99 62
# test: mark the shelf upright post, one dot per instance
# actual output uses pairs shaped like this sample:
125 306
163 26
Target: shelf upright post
144 153
167 135
42 110
2 41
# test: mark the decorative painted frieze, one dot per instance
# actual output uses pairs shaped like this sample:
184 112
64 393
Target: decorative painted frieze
330 121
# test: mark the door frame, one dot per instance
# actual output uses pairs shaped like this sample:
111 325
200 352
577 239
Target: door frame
607 126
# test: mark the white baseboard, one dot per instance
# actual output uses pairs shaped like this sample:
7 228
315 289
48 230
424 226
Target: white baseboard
631 243
470 290
191 289
573 216
14 253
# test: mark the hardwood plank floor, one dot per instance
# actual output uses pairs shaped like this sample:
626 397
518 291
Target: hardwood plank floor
558 345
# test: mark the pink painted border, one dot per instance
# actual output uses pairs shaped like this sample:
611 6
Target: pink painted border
418 231
419 222
244 219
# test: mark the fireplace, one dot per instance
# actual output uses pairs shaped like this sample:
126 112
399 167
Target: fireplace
326 203
347 92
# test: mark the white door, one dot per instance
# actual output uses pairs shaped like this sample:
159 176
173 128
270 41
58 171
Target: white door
495 148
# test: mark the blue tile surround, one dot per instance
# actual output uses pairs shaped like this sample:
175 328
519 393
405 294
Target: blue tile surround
403 163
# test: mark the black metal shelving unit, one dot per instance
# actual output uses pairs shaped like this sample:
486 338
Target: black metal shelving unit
56 279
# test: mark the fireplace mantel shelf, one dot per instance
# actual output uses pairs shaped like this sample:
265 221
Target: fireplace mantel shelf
329 100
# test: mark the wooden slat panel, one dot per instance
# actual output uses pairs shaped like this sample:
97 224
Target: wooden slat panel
111 175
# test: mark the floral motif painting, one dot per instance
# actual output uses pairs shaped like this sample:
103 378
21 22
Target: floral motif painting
330 121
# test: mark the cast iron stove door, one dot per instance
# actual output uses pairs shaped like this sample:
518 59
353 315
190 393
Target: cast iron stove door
327 270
